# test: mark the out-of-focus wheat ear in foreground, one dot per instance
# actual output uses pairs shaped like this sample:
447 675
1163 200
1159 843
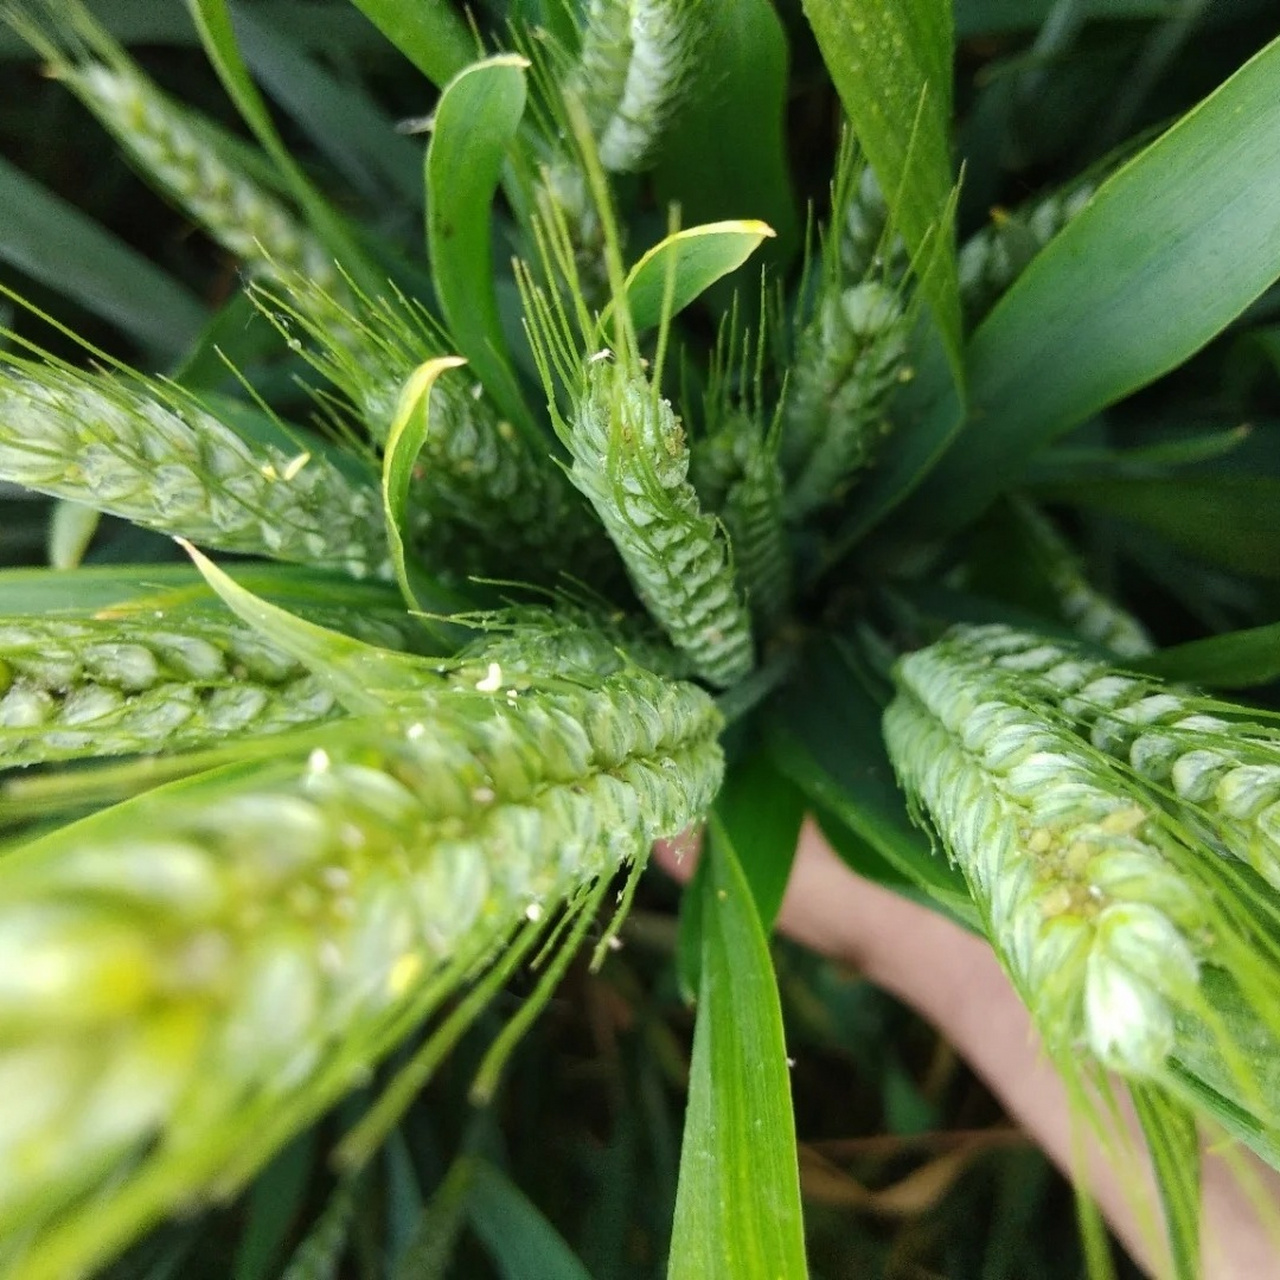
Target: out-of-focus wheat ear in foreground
191 976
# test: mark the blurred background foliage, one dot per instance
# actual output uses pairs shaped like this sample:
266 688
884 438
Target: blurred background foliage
908 1168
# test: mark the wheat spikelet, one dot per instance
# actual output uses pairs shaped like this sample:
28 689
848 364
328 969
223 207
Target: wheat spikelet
482 496
214 962
1091 614
533 640
993 258
850 360
71 688
631 462
1216 765
737 474
1083 888
635 60
156 457
867 244
185 161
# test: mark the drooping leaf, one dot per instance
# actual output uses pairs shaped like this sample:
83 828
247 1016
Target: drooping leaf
360 675
404 443
475 125
1170 250
738 1202
891 64
694 260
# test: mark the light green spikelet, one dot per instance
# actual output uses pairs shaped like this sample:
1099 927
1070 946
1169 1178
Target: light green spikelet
150 454
631 462
737 473
636 56
96 686
993 258
867 244
190 978
851 358
535 640
1214 764
1082 886
185 159
1093 615
482 495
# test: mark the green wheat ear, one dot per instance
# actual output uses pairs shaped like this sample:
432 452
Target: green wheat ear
154 455
630 458
1104 898
186 157
192 976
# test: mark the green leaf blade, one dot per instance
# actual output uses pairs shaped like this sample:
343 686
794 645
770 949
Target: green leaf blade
695 259
1170 250
891 63
475 124
738 1203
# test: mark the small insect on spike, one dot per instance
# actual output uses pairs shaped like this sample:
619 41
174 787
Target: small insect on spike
188 1001
1079 880
148 453
631 461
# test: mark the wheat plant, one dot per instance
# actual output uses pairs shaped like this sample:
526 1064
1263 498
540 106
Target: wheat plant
629 508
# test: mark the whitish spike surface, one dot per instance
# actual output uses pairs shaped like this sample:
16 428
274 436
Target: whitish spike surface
206 967
1216 767
91 687
850 360
169 465
631 461
635 58
184 161
1068 861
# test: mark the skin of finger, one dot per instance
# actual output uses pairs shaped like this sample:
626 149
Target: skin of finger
953 979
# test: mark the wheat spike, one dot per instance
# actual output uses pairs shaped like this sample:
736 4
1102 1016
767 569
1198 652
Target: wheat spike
1081 884
631 461
211 964
851 359
635 60
156 457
